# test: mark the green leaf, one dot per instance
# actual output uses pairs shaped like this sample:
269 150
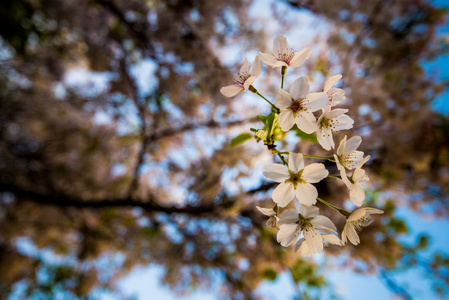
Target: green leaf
306 137
241 138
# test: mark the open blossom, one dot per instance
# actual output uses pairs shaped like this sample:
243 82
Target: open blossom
356 182
347 156
304 249
329 121
283 55
295 180
307 222
244 79
335 95
358 219
298 106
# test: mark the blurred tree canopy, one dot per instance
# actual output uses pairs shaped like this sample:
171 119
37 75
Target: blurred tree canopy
128 164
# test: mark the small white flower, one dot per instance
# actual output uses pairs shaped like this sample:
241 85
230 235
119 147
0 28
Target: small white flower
335 95
295 180
304 221
329 121
356 182
358 219
298 106
283 55
272 220
244 79
304 249
347 156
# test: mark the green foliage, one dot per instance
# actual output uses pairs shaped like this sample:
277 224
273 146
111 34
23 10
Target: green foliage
240 139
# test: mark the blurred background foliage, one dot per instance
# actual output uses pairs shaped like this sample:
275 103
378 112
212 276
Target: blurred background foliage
114 142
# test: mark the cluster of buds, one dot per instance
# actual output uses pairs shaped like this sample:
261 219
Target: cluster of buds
303 226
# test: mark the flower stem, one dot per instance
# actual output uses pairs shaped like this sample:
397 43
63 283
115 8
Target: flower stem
254 90
340 210
331 158
283 71
334 176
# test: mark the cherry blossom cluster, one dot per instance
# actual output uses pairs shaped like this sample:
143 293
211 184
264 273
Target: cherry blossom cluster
313 113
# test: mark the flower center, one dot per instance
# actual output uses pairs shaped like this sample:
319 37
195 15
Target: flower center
349 160
241 78
295 178
363 222
297 106
286 56
328 123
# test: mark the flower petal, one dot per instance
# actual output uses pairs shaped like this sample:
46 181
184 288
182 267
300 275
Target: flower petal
313 240
290 216
248 82
352 144
323 223
314 173
230 90
287 234
306 194
351 234
266 211
331 81
299 244
283 194
280 45
245 67
279 64
255 67
324 137
268 58
315 101
299 88
276 172
341 147
357 194
286 120
343 122
295 162
283 99
332 239
306 121
300 57
308 211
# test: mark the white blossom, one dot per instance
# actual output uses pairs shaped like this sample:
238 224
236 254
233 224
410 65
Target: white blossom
356 182
298 106
307 222
358 219
272 220
244 79
304 249
329 121
283 55
335 95
295 180
347 156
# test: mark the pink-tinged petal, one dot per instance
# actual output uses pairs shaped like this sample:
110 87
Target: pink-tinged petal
280 45
266 211
287 234
332 239
315 101
308 211
314 240
295 162
343 122
283 99
245 67
342 146
331 81
276 172
306 121
300 57
306 194
357 194
268 59
230 90
290 216
279 64
248 82
299 244
314 173
255 67
283 194
323 138
286 120
299 88
352 144
323 223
